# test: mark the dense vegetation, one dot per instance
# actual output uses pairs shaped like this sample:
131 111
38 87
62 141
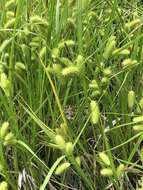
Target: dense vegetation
71 94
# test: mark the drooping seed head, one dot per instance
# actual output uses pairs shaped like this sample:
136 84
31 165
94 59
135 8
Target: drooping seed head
59 140
110 47
105 159
131 99
120 170
132 24
69 148
4 129
62 168
9 139
78 160
95 113
138 127
106 172
3 185
70 70
138 119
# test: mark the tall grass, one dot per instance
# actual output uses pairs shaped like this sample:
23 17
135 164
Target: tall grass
71 95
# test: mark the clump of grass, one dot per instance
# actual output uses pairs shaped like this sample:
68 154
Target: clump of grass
71 94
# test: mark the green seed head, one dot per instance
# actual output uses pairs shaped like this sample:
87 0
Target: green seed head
70 70
19 66
133 24
141 103
10 4
131 99
4 83
42 52
106 172
120 170
55 53
57 68
110 47
68 43
124 52
104 81
93 84
69 148
104 158
9 139
138 127
141 154
10 23
38 20
62 168
79 60
59 140
78 160
95 93
66 61
3 185
138 119
94 112
128 62
4 129
4 45
10 14
107 71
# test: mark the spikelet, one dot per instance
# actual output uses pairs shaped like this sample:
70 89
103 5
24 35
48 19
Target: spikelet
10 23
131 99
78 160
119 52
128 62
19 66
62 168
133 24
42 52
4 82
94 112
93 84
110 46
38 20
107 71
141 154
138 119
9 139
10 14
57 68
66 61
68 43
104 158
138 127
63 128
59 140
3 185
140 184
120 170
106 172
104 81
10 4
4 129
70 70
141 103
79 60
95 93
69 148
55 53
4 45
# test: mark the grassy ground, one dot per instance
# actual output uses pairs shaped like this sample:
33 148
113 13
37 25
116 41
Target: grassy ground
71 98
